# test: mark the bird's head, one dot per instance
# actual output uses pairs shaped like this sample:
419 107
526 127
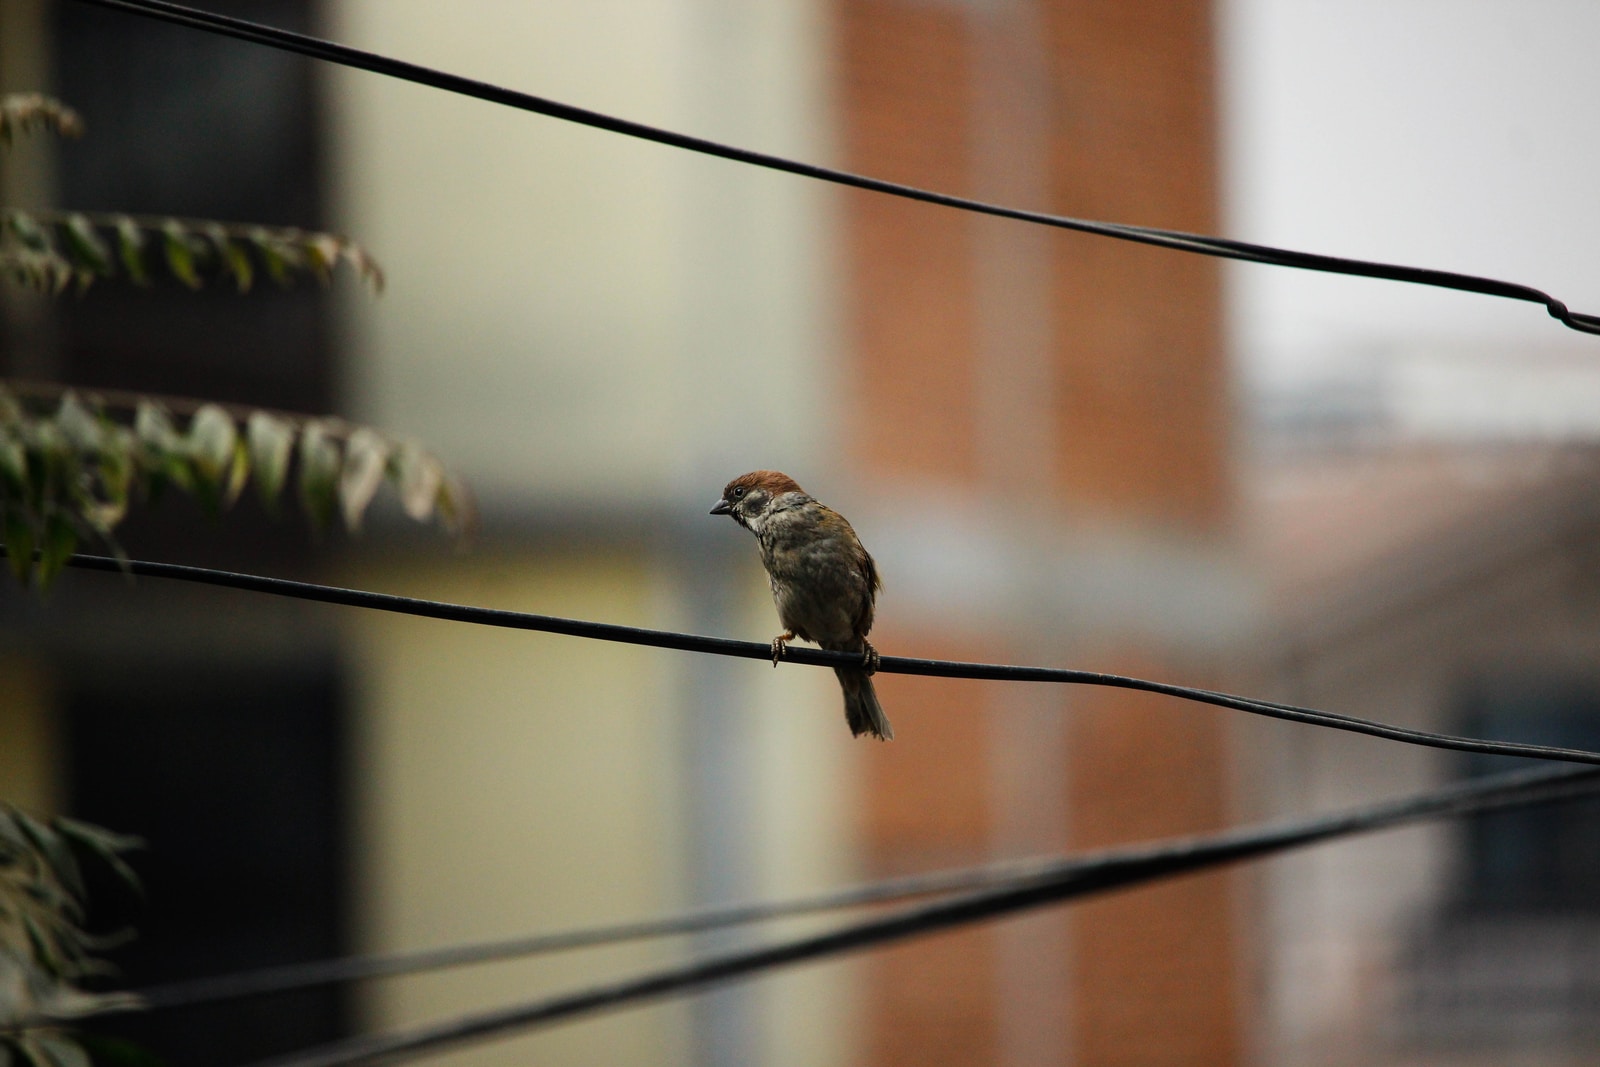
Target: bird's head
750 498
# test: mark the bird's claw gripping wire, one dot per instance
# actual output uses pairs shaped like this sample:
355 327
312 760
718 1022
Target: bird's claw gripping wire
780 645
870 659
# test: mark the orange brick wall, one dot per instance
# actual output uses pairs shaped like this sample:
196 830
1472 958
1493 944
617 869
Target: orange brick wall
1153 969
904 70
1141 437
930 1001
1144 425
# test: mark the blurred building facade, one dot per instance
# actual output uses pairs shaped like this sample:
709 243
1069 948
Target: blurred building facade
1051 414
1446 586
1033 431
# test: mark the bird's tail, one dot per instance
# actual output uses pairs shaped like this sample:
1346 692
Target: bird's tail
861 708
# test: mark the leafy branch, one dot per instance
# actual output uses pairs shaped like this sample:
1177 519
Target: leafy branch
45 948
50 250
23 112
70 473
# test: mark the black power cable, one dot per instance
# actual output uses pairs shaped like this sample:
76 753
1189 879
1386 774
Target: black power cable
295 976
1067 880
723 646
1201 244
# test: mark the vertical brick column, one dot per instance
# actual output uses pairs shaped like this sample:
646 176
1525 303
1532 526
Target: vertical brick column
1138 413
1143 430
1143 439
906 94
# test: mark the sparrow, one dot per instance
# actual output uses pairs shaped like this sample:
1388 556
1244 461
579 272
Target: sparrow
823 581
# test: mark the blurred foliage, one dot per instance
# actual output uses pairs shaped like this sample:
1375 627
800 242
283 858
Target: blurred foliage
71 466
45 949
50 251
23 112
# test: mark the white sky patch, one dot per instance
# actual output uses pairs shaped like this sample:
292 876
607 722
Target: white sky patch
1454 134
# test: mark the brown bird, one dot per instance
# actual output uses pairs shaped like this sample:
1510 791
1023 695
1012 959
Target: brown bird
823 581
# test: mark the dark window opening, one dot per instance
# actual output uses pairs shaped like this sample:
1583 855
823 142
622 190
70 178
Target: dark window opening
232 775
188 123
1513 956
1541 859
182 122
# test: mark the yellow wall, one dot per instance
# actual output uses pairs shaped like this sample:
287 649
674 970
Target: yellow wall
584 324
570 312
27 737
513 782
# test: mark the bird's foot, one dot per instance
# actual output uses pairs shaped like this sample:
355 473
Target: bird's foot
870 659
780 645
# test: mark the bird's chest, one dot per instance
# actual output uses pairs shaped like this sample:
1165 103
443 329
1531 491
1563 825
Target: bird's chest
812 576
798 553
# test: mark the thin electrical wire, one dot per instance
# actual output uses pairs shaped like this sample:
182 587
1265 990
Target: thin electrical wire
292 977
1200 244
1068 880
723 646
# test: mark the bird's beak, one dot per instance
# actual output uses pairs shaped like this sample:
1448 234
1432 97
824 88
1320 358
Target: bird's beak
722 508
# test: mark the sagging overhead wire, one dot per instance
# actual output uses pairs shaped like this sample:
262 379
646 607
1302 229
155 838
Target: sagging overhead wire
1200 244
291 977
722 646
1067 880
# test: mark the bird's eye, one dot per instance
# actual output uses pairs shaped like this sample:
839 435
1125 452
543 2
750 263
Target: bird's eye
739 491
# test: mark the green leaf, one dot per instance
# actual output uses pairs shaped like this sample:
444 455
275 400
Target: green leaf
366 457
85 248
21 112
11 835
29 232
212 435
106 845
153 427
366 267
321 253
45 271
51 462
29 1052
60 541
49 845
116 470
83 431
232 256
319 473
238 473
454 503
19 541
97 838
130 249
420 476
180 253
271 440
210 451
281 257
161 450
46 953
13 469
